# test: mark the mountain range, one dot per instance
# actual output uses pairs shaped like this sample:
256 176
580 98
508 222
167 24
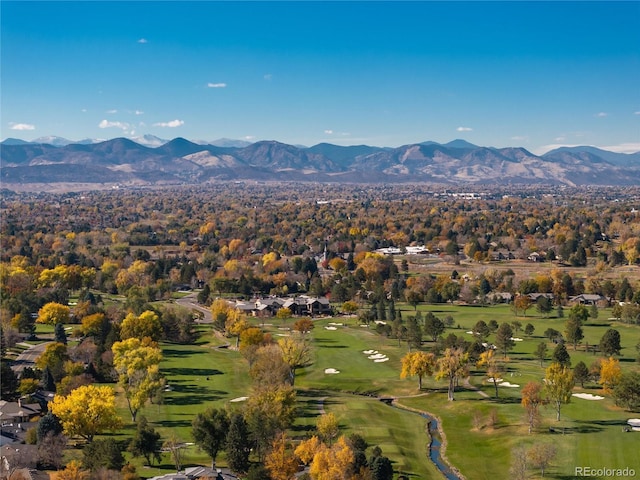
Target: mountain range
150 160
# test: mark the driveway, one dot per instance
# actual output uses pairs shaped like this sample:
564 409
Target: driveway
191 301
28 357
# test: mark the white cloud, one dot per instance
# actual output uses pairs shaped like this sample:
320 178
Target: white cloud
22 126
143 40
637 113
464 129
602 114
112 111
249 137
84 110
108 124
559 139
623 148
216 85
171 124
329 132
620 148
138 112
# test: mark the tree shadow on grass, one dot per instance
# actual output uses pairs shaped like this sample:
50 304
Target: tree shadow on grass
194 394
604 422
201 372
174 423
572 430
325 340
507 400
176 353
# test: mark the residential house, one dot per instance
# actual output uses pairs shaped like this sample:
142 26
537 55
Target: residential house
536 257
198 472
588 299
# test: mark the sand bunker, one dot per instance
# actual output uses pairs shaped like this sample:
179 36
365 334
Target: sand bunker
516 339
239 399
370 352
337 324
634 422
509 385
491 380
380 322
470 332
331 371
377 356
380 360
587 396
330 328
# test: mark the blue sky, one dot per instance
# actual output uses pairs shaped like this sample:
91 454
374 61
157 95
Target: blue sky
532 74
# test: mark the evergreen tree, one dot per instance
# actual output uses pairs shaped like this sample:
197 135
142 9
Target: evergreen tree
414 333
238 444
382 314
146 442
209 430
573 330
381 468
581 373
504 338
392 310
48 382
60 335
203 296
9 383
610 343
561 356
102 453
49 423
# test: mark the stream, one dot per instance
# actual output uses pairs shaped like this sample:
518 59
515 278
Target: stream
435 443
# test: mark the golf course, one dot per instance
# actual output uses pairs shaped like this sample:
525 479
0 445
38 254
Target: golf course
353 368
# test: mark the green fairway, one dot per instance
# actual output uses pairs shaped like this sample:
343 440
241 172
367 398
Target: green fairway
203 375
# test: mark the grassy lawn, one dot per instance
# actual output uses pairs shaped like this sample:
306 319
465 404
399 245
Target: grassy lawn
202 375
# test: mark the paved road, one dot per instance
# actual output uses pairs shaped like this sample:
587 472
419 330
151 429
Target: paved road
28 357
191 302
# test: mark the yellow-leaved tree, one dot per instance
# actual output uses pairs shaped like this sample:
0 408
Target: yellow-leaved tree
488 360
87 411
558 384
328 427
307 449
332 463
235 324
146 325
296 353
451 366
137 363
52 313
73 471
610 374
417 364
281 461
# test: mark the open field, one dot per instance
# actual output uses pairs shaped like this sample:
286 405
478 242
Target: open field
203 375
